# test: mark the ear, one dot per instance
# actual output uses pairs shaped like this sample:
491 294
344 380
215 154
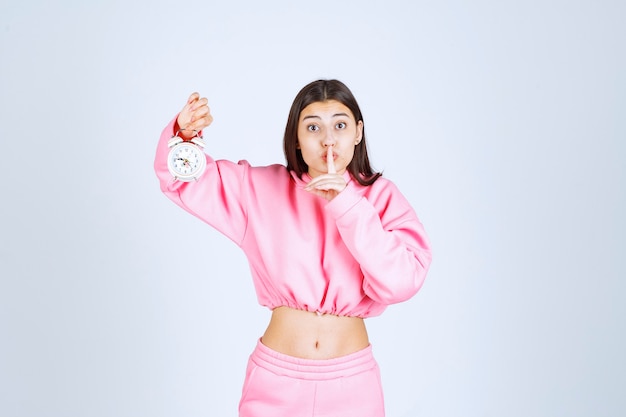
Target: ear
359 132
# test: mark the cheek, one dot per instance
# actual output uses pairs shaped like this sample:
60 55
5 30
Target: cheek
303 139
350 155
302 133
306 153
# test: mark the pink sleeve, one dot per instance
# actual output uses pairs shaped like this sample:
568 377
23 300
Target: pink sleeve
389 243
216 197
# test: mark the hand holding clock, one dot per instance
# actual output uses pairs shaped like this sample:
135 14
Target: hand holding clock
186 160
195 116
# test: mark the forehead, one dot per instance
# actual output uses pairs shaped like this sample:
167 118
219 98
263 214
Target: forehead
326 110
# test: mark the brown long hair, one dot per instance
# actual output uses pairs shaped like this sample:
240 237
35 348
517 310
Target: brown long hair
324 90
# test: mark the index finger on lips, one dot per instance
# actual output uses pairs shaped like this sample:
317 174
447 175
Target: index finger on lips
330 161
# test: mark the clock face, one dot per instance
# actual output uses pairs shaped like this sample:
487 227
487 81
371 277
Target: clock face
186 161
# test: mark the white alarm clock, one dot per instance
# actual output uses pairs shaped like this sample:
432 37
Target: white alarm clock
186 160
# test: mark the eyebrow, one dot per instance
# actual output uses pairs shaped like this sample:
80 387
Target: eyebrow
317 117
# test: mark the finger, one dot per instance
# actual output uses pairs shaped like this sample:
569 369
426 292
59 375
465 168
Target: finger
200 112
193 103
193 97
190 101
330 161
201 123
327 182
200 102
326 187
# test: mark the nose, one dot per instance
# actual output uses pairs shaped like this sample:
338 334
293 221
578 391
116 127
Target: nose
329 139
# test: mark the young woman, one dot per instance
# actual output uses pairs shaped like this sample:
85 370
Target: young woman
329 241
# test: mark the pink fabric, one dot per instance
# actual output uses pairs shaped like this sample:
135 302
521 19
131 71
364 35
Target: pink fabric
351 256
279 385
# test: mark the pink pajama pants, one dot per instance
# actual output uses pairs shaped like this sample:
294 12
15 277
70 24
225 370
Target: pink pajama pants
279 385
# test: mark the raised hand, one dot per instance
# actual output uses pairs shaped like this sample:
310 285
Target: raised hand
194 116
330 184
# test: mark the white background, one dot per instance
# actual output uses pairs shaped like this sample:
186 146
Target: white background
501 121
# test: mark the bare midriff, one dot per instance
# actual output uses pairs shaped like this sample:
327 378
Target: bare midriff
309 335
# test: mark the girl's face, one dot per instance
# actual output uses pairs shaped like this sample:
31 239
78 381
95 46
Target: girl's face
324 124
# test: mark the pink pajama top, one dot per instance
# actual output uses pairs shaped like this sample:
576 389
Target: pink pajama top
351 256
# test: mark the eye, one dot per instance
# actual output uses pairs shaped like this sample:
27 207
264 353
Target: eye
340 125
312 128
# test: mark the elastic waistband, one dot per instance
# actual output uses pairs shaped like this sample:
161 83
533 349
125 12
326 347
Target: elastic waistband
313 369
